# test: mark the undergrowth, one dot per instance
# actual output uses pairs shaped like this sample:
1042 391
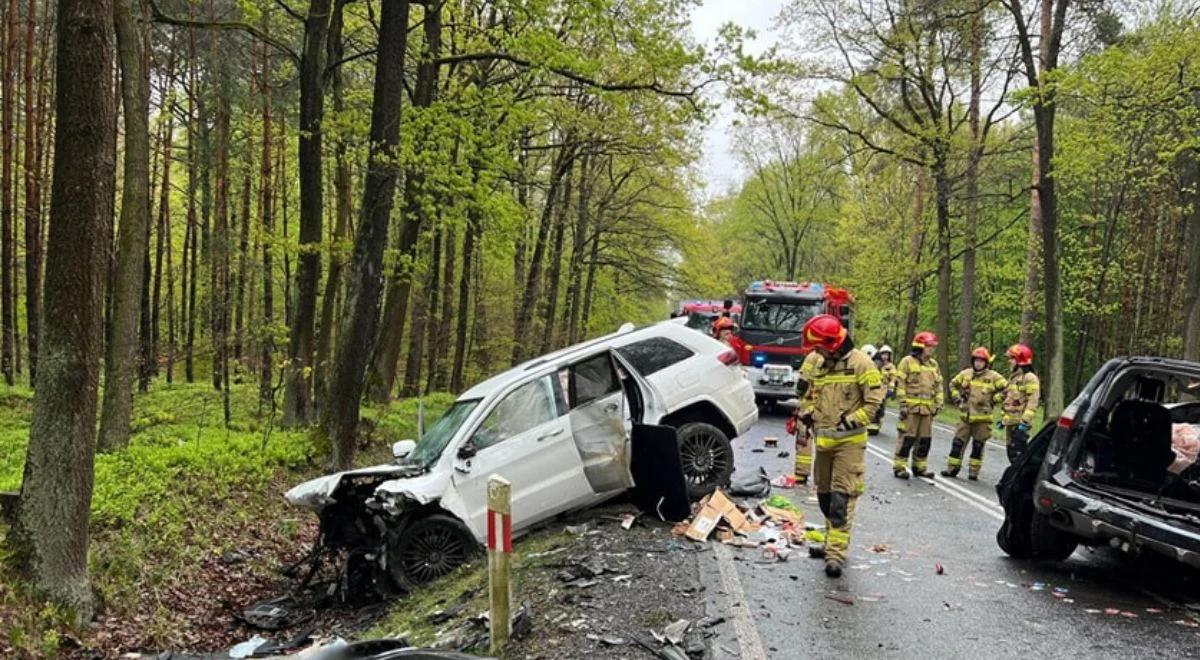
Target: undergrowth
180 492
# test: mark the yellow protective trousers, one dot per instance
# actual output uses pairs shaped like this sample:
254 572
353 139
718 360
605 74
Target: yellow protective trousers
840 471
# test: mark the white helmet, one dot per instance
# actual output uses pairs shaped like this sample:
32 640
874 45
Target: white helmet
886 349
869 349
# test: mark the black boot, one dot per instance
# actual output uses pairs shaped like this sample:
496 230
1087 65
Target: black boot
833 568
973 477
900 474
816 551
950 472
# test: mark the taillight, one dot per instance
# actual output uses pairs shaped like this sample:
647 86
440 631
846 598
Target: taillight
1068 415
1065 422
729 358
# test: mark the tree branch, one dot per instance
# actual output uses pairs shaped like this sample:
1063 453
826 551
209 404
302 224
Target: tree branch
160 17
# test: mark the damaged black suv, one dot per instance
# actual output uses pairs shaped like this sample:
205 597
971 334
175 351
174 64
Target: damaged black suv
1118 468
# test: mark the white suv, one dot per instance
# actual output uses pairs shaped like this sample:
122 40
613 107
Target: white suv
559 428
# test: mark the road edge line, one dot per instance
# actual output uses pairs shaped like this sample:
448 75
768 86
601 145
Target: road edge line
875 451
749 642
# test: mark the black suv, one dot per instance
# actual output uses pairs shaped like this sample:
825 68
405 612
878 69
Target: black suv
1106 472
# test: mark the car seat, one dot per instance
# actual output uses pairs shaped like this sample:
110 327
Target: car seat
1141 434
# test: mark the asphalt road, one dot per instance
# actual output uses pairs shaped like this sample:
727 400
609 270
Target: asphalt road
894 604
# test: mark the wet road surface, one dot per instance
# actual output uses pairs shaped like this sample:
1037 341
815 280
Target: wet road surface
892 603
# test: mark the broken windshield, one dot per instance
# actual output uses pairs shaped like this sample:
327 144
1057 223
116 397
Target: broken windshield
778 317
434 442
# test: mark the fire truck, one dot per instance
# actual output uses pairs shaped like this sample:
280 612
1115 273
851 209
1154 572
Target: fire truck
769 336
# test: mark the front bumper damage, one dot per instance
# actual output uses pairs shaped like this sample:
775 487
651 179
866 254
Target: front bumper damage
360 513
1099 519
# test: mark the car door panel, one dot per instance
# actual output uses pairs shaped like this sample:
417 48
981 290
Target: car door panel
541 462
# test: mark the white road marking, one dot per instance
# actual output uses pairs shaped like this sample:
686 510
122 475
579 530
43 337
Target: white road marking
735 601
992 445
975 500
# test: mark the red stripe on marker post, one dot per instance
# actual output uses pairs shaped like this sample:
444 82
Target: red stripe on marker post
499 533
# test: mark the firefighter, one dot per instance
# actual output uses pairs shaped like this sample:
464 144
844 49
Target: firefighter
723 330
919 390
1020 400
845 391
883 362
976 391
802 432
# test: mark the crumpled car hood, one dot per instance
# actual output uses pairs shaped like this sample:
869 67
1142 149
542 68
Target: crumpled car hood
422 489
318 493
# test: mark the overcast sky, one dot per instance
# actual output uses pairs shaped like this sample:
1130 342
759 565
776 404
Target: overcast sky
719 167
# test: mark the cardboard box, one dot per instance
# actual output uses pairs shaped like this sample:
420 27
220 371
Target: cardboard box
717 507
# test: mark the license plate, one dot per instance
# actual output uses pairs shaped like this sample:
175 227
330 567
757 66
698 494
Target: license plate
777 374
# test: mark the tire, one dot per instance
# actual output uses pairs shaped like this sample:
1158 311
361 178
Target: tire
429 548
1049 542
707 458
1014 543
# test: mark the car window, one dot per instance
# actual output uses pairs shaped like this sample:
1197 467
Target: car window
526 407
593 378
650 356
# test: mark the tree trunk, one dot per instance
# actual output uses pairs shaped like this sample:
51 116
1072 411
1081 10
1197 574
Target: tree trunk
360 323
941 185
341 187
588 287
424 303
243 271
464 296
532 290
266 367
120 360
8 75
918 248
1033 258
439 376
219 277
966 319
33 195
1191 312
50 534
550 303
297 408
579 244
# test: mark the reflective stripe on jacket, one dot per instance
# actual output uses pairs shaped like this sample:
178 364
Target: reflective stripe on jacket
1021 398
977 394
919 385
850 389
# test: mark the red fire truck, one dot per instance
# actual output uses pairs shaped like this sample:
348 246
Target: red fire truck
768 338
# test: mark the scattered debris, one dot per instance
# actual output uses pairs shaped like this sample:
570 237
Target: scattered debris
710 621
628 520
272 614
1188 623
784 481
841 597
771 441
754 484
674 633
1112 611
442 616
577 530
880 548
248 647
783 454
939 569
713 509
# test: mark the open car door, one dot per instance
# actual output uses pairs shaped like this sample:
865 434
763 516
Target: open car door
659 484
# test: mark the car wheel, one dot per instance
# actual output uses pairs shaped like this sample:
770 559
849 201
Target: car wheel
707 458
1048 541
428 549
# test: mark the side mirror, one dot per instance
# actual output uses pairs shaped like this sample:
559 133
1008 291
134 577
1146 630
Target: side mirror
467 450
403 448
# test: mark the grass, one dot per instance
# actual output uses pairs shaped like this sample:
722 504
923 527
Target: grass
185 490
409 618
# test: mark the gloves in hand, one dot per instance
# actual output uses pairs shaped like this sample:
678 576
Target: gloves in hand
845 424
1023 426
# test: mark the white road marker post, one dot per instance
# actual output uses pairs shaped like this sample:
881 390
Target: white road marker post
499 527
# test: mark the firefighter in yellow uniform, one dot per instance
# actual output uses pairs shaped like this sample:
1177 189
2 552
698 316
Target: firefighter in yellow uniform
919 390
883 362
976 391
845 392
804 449
1020 400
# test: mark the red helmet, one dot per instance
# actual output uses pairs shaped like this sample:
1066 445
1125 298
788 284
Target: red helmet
823 331
925 339
982 353
1021 354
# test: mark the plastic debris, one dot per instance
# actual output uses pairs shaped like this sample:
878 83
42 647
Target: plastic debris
577 530
783 454
1093 611
1129 615
754 484
674 633
1188 623
784 481
628 519
880 548
1154 610
1112 611
248 647
937 568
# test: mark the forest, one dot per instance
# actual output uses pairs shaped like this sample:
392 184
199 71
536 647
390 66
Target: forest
276 224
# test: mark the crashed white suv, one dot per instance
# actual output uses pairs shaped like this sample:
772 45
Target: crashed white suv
560 429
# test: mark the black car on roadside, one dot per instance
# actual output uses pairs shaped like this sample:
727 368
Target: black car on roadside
1117 468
